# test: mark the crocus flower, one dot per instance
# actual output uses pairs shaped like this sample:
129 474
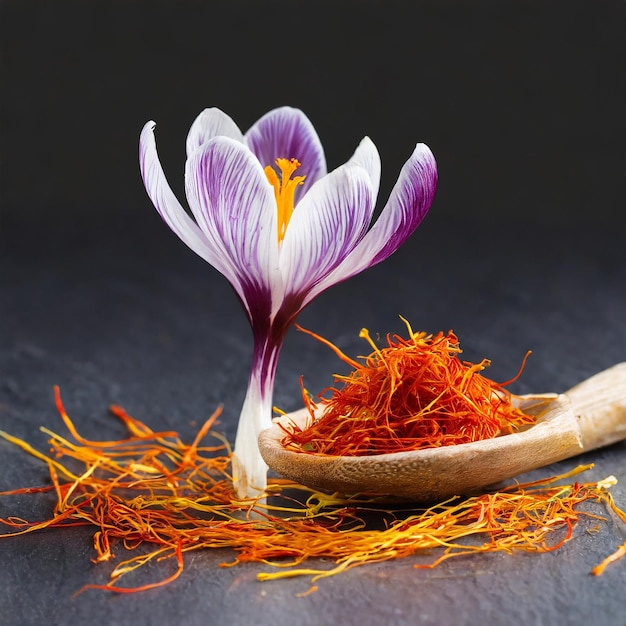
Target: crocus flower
269 217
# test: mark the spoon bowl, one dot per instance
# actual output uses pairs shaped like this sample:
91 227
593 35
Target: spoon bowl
589 416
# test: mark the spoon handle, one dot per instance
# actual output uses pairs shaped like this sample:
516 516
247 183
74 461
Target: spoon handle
599 404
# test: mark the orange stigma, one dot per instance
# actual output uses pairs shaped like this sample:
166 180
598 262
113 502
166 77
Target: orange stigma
284 189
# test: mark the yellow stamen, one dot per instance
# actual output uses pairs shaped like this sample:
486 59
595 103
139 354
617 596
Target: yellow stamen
284 189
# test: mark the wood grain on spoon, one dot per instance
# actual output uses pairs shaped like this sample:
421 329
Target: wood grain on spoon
589 416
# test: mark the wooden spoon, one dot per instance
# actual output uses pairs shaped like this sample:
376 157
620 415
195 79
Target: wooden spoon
589 416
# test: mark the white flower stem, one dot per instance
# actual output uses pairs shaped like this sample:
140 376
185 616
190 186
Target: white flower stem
249 468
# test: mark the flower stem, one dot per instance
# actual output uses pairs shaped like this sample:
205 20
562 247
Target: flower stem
249 468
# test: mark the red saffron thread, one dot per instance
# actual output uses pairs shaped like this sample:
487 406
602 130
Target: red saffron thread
151 489
414 393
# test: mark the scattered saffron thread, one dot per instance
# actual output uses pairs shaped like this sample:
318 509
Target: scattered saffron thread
618 554
414 393
151 489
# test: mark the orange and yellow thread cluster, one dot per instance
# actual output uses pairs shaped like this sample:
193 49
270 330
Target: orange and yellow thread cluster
152 489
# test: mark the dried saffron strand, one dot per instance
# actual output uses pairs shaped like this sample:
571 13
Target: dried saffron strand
521 519
137 430
618 554
179 498
414 393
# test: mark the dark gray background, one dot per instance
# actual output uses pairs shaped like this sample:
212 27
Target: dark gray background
521 101
522 104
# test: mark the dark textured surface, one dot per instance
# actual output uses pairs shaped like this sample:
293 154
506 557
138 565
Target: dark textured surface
162 336
523 249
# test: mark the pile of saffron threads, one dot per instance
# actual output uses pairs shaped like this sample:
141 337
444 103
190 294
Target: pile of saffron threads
152 491
414 393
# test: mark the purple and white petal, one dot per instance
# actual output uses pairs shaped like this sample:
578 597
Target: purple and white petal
407 206
325 227
168 207
287 133
366 155
235 206
211 123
